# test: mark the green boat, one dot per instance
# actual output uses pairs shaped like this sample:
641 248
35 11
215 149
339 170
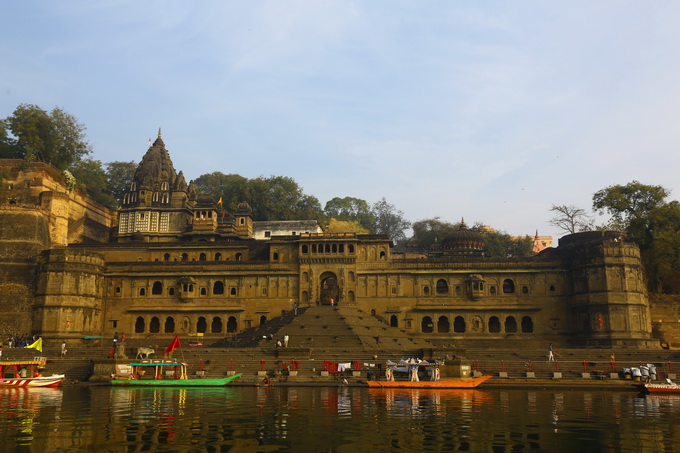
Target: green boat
165 373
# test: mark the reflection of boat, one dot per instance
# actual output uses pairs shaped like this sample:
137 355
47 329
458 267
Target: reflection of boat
27 374
441 384
165 373
668 387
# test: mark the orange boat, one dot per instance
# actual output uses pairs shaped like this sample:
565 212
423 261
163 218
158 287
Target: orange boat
442 384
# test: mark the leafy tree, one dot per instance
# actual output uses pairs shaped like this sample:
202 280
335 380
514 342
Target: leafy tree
652 223
119 175
501 245
352 209
281 198
389 220
90 174
34 134
344 226
429 231
570 219
232 188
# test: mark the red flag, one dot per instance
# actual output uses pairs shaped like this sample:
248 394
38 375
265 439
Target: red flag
174 344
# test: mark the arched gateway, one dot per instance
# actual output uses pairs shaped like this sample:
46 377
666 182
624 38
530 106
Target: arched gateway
329 288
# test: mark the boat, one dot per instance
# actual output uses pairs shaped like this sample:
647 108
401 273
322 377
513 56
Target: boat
27 374
653 387
414 368
165 373
441 384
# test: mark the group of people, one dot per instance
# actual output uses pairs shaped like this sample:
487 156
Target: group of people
20 341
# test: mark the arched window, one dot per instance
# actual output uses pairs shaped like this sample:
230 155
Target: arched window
327 248
442 286
426 325
263 319
218 288
142 291
508 286
350 296
185 257
218 257
527 325
231 325
155 197
510 324
275 256
140 325
157 288
169 325
232 291
394 321
305 248
372 311
525 289
305 296
459 324
216 326
238 256
459 291
154 325
492 289
383 255
350 248
201 325
494 324
335 248
166 257
443 325
204 291
426 290
165 198
202 257
314 248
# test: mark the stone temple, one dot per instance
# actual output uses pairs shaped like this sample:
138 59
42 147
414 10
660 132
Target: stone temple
170 261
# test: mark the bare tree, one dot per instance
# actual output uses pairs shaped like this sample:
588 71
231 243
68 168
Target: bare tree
571 219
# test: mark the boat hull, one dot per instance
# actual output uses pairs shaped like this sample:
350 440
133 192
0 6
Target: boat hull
659 388
42 381
219 382
443 384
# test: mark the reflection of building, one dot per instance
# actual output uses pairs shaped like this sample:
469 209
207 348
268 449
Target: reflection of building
175 263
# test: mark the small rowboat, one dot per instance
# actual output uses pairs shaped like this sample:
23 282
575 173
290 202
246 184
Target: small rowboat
27 374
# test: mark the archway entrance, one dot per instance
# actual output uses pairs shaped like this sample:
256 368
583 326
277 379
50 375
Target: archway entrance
329 289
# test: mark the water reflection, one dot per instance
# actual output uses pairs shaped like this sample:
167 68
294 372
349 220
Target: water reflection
339 419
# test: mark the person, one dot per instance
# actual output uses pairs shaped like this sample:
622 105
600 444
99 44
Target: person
295 307
332 302
115 339
377 340
0 351
278 343
285 341
63 348
551 357
344 381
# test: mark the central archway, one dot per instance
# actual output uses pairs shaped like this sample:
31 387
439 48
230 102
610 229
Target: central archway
329 289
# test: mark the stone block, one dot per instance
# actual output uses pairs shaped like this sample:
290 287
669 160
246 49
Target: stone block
476 374
231 373
672 376
324 374
356 373
614 376
585 375
262 373
557 375
531 374
503 374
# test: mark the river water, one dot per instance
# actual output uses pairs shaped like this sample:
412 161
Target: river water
335 419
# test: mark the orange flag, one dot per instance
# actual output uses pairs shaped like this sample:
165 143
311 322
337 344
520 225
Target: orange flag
174 344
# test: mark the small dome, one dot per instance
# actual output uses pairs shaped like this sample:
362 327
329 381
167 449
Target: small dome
464 242
244 208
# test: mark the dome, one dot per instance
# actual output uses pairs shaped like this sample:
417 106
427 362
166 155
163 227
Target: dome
464 242
244 208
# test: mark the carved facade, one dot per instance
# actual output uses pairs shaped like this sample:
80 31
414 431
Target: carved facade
175 263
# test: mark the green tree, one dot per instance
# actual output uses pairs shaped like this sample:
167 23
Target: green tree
350 209
389 220
499 244
652 223
232 188
119 176
344 226
429 231
34 134
90 175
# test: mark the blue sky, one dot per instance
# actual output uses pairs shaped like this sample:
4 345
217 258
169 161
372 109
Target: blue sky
488 110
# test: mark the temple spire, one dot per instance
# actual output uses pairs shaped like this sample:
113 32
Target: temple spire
159 132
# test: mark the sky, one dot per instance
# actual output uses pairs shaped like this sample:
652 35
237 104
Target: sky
491 111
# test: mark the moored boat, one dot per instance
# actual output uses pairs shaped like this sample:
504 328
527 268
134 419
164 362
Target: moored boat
441 384
27 374
415 370
165 373
653 387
